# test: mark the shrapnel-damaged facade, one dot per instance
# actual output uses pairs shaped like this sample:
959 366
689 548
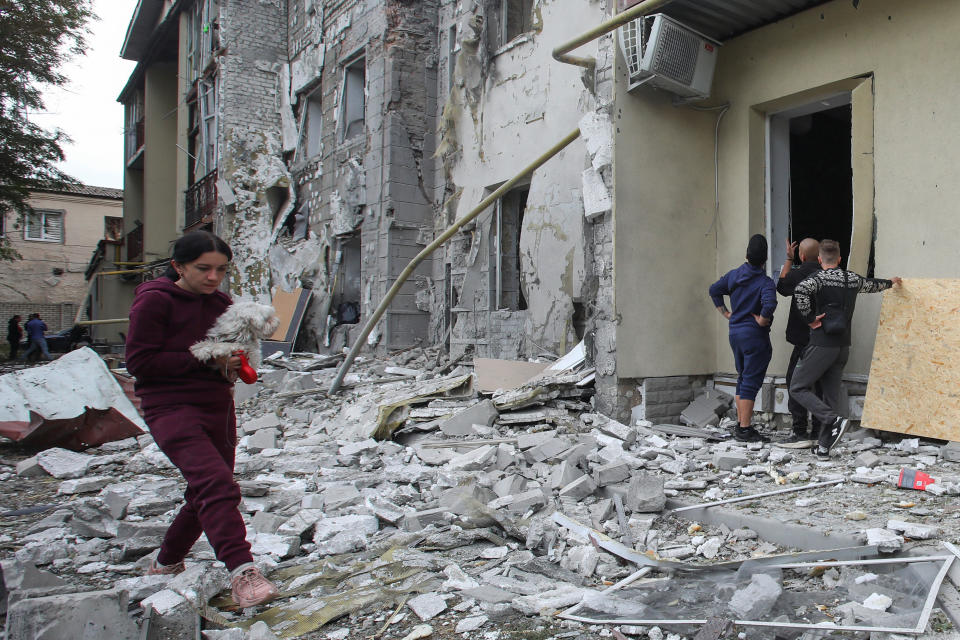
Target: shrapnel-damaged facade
303 133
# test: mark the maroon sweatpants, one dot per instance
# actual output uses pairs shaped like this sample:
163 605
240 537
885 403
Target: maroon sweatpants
200 438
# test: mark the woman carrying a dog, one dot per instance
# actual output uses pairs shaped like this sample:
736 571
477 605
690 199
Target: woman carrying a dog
188 406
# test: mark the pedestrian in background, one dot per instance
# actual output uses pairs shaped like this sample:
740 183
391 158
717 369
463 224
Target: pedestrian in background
188 406
798 335
36 330
753 298
826 300
14 336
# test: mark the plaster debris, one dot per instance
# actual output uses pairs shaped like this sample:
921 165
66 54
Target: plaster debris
470 526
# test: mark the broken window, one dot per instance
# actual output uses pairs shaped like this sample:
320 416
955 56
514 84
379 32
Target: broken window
44 225
135 124
505 291
811 175
202 149
508 19
354 98
311 127
347 283
202 36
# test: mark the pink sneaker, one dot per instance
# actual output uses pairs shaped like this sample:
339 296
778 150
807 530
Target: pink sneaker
165 570
250 588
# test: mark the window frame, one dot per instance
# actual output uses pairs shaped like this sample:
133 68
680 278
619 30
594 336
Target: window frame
43 225
358 60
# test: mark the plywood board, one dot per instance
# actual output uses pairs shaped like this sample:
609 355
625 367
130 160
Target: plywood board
290 307
504 374
914 375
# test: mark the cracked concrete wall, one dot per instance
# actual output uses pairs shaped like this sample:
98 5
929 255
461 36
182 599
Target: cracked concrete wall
507 103
251 150
374 185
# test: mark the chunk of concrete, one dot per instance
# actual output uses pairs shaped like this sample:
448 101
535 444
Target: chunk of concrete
64 464
427 605
645 494
562 475
88 484
422 519
730 459
949 452
267 421
339 496
913 530
30 468
326 528
611 473
887 541
546 450
564 595
476 460
262 439
461 424
704 411
92 614
756 599
579 488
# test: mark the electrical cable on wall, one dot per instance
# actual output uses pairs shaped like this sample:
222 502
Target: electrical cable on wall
714 226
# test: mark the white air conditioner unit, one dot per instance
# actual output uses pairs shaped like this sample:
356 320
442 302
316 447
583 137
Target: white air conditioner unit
668 55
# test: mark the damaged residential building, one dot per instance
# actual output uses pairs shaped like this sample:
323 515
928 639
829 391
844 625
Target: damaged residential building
329 142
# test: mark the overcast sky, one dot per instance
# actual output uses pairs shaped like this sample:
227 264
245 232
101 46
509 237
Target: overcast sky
87 108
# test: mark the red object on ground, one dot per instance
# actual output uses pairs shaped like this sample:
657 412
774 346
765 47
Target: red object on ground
247 373
913 479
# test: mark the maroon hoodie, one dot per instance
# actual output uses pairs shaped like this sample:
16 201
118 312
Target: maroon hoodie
165 321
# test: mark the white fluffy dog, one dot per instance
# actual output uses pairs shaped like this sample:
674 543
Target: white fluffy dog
239 328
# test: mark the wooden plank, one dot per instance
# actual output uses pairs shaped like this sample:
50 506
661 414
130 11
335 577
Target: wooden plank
504 374
916 361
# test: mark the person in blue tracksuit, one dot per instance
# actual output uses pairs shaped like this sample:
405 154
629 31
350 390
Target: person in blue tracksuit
753 299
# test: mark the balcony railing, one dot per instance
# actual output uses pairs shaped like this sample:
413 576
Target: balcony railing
201 200
135 245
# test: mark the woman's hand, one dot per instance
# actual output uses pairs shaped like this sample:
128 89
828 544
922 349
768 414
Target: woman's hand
228 366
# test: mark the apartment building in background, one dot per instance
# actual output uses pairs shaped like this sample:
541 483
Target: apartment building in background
55 242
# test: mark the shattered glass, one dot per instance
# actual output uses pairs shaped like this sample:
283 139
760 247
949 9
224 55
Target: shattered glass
885 596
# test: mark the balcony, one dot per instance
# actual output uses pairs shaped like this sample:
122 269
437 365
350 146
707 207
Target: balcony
135 245
201 201
135 140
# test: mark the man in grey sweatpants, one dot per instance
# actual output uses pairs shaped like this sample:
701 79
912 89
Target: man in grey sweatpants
826 301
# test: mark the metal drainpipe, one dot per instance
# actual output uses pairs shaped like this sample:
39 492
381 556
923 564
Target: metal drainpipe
642 9
446 235
561 55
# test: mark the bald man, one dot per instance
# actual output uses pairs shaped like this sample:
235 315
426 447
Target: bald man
798 334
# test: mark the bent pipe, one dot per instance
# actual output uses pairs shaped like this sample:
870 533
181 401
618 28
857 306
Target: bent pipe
561 53
433 246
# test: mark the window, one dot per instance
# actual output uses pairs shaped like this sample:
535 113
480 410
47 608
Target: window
202 36
135 124
504 260
43 225
509 20
517 18
354 98
311 126
202 149
113 229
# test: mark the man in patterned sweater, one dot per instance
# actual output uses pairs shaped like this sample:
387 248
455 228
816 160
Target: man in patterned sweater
826 301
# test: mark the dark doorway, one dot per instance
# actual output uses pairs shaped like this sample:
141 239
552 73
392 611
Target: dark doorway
821 177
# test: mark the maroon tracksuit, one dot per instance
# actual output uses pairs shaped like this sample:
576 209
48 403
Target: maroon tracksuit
189 409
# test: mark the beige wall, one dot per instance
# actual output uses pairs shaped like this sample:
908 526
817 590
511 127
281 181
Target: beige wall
909 49
664 245
162 203
32 279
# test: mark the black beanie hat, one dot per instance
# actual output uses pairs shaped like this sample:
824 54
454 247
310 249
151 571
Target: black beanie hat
757 250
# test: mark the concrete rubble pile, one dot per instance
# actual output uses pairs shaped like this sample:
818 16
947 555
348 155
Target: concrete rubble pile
483 514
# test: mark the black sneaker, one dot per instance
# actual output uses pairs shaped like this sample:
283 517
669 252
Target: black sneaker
796 441
748 434
823 453
830 435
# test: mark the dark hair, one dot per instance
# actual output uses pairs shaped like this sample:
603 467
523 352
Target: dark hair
757 250
829 251
191 246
